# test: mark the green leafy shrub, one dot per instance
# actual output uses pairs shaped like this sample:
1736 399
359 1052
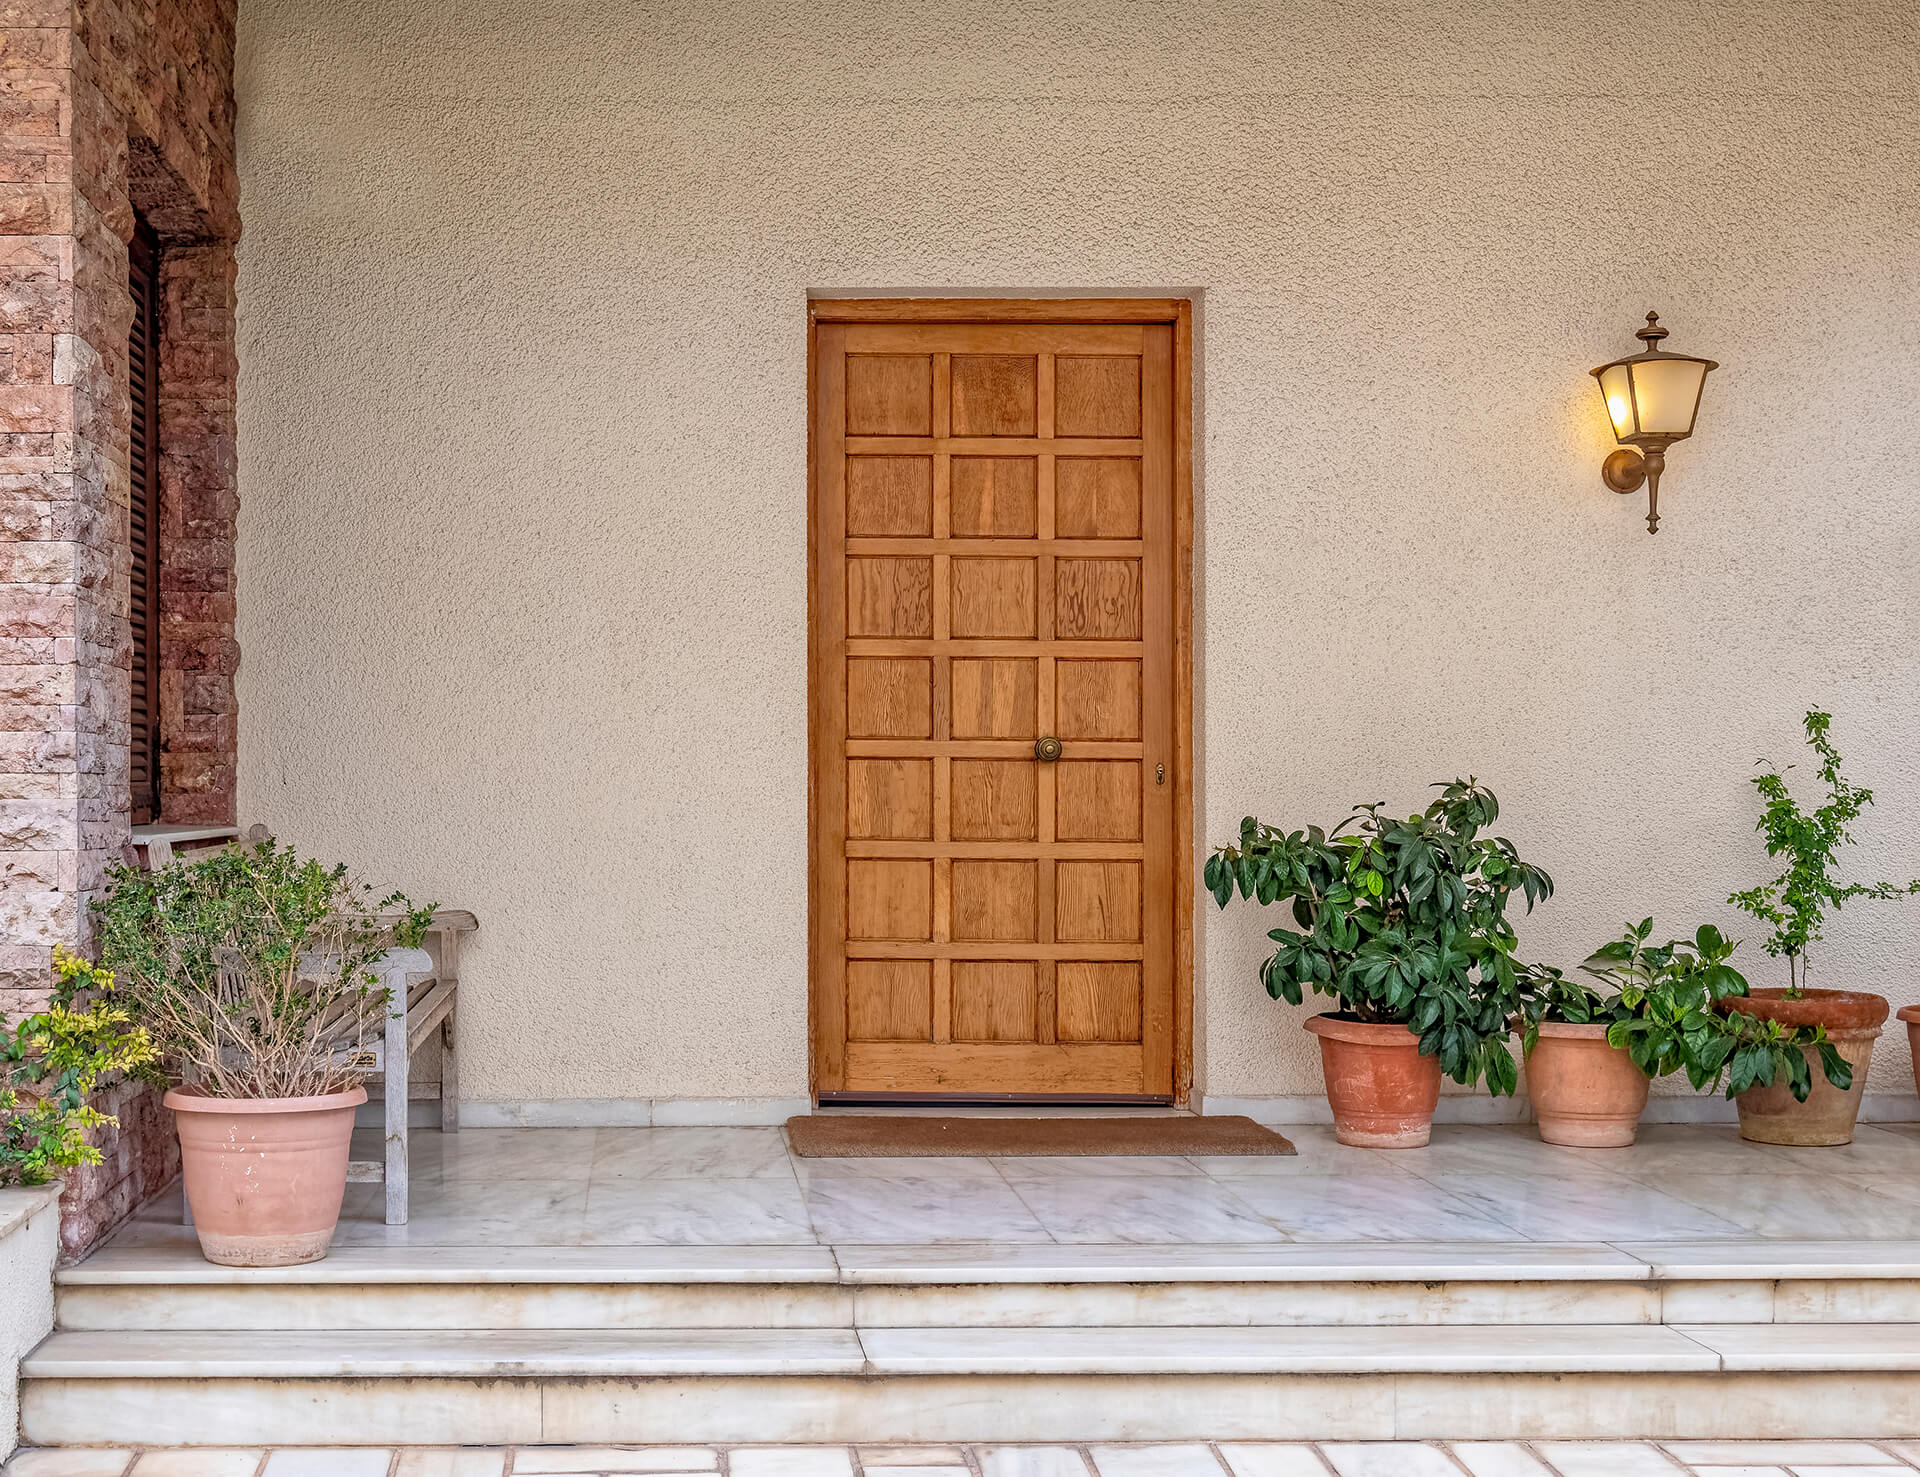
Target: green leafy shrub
1661 1012
1795 904
54 1060
252 968
1401 922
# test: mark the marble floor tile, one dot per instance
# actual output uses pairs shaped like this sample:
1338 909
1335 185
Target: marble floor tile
1874 1150
903 1166
323 1461
1776 1453
714 1212
450 1461
1801 1206
1498 1459
1739 1472
868 1469
1388 1459
1184 1460
490 1153
1372 1209
1318 1152
790 1461
1458 1149
1273 1459
469 1213
1094 1167
1144 1209
68 1463
1884 1470
923 1207
1588 1209
200 1462
912 1456
1031 1461
690 1153
647 1459
1686 1148
1607 1459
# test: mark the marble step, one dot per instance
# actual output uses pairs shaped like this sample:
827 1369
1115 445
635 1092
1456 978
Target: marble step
613 1288
949 1384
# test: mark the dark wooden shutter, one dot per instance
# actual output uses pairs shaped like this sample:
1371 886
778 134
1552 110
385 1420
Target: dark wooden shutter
143 360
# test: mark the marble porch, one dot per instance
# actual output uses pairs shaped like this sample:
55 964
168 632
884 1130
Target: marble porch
703 1284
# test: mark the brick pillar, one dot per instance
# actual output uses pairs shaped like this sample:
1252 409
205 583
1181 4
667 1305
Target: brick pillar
105 103
64 645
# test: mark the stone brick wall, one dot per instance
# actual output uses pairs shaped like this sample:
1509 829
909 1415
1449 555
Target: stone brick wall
108 106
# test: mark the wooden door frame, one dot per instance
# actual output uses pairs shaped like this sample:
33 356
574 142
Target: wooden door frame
1178 312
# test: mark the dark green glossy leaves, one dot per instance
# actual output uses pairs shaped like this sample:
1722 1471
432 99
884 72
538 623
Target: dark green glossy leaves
1400 920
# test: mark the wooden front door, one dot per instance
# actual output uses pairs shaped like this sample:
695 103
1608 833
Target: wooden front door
994 708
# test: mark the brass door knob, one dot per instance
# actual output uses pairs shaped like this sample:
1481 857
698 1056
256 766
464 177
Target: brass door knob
1046 750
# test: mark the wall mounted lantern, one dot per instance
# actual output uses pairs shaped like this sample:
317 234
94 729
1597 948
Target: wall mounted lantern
1652 398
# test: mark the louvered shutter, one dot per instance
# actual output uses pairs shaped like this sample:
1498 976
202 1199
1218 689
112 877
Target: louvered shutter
143 359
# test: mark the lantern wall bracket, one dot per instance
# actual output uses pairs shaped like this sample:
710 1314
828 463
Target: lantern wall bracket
1627 470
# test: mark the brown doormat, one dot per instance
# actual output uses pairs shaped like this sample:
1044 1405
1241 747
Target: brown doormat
883 1136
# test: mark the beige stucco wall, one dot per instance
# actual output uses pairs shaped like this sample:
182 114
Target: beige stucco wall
522 417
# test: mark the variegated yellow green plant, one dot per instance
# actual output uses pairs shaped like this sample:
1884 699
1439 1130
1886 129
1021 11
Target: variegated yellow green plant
54 1060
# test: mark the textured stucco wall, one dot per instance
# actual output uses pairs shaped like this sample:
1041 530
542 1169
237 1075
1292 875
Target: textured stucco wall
522 418
29 1241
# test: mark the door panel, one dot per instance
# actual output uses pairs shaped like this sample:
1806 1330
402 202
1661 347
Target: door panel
994 564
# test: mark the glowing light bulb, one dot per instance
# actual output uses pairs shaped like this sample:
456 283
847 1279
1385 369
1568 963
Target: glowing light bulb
1620 410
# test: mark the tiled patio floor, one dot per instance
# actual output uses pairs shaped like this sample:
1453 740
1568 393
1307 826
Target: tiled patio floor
1185 1459
742 1186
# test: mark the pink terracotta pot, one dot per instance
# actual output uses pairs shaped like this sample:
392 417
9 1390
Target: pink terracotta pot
1585 1093
1381 1090
1770 1115
265 1176
1911 1015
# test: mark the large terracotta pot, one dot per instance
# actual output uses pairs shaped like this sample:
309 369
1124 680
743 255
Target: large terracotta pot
1769 1115
1381 1090
1585 1092
265 1176
1911 1015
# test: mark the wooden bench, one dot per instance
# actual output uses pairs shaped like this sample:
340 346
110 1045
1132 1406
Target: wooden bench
424 985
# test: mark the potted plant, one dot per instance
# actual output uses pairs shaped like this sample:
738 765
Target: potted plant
1591 1055
1794 906
54 1059
1403 923
252 971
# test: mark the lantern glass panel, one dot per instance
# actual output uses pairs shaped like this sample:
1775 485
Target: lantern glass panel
1616 386
1666 394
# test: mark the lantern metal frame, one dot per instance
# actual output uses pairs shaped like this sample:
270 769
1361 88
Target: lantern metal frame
1642 456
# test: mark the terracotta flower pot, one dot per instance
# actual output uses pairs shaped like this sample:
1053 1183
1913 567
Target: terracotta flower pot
1911 1015
265 1176
1769 1115
1381 1090
1585 1092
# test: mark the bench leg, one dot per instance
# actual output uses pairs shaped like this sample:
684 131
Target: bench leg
449 1079
396 1101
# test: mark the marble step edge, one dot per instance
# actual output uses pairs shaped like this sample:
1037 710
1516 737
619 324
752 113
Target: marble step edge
964 1263
658 1353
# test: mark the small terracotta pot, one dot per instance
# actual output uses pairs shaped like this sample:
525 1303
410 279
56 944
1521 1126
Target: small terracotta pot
1585 1092
265 1176
1769 1115
1911 1015
1381 1090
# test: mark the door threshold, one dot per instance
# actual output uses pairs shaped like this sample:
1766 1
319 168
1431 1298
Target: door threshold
997 1107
